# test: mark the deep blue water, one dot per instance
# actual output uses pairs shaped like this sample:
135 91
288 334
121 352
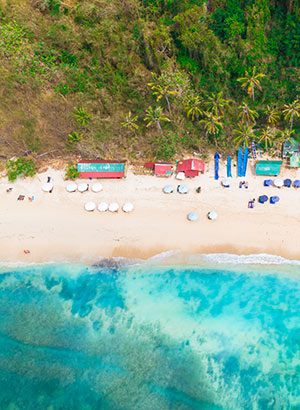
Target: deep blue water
142 337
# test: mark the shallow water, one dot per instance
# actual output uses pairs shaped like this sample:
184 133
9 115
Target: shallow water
150 337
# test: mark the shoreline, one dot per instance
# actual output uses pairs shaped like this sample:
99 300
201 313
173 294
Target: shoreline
55 227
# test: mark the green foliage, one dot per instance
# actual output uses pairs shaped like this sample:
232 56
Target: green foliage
81 115
74 138
20 167
166 146
124 57
71 171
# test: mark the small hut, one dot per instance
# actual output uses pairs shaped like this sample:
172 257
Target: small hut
161 169
191 167
290 148
268 167
102 169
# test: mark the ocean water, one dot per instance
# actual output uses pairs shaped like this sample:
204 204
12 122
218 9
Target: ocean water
150 336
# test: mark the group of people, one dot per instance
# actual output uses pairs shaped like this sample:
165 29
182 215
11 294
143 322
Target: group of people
243 184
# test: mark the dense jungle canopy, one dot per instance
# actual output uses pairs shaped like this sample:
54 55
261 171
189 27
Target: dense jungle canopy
145 79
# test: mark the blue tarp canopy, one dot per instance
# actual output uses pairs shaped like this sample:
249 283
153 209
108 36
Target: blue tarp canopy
217 157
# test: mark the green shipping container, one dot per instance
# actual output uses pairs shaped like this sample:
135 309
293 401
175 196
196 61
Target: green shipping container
268 168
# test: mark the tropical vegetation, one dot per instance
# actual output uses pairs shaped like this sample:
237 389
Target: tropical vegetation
147 78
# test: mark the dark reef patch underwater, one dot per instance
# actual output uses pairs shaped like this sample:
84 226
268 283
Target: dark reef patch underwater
149 337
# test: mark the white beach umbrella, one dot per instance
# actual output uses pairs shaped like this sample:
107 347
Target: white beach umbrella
183 189
127 207
180 176
226 183
278 182
192 216
168 189
212 215
97 187
83 187
103 206
71 187
47 187
90 206
113 207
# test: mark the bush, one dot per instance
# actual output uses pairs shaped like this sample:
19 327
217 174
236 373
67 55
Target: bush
166 146
74 137
20 167
71 171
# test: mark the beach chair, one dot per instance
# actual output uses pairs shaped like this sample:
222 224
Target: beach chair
287 183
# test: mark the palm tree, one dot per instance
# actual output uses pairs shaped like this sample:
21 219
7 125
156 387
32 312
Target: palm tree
130 122
211 123
193 107
291 110
247 115
154 116
162 91
251 81
286 135
216 103
244 135
273 116
267 136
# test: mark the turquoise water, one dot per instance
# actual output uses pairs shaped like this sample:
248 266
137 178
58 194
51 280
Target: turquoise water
216 337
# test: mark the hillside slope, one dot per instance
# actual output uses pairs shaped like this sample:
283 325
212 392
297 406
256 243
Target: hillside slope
75 75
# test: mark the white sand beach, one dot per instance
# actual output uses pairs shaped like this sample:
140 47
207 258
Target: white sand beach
55 226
